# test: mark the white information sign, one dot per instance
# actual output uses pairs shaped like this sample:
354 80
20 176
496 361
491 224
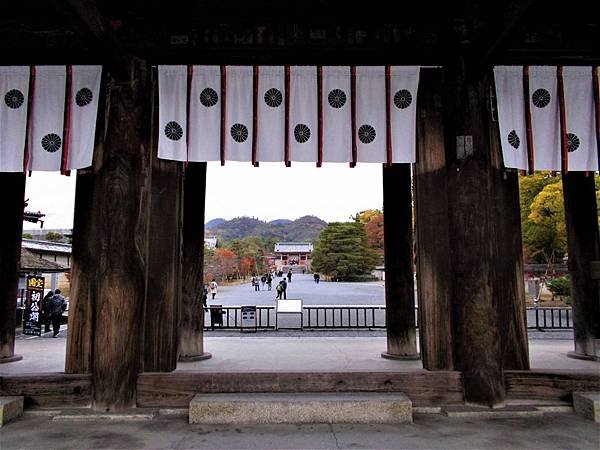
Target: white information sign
289 306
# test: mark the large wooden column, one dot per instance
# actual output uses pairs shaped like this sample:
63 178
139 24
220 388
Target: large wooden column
477 344
83 274
584 257
509 285
163 267
398 254
121 194
12 186
434 278
191 339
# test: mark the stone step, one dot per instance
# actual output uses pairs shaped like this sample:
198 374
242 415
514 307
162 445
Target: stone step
10 409
587 404
342 407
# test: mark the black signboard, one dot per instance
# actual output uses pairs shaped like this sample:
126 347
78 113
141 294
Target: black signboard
32 319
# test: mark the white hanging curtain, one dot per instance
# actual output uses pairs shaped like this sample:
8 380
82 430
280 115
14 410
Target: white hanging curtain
239 113
303 127
271 114
205 114
371 114
172 116
581 130
14 88
511 115
337 114
545 122
404 83
85 90
46 136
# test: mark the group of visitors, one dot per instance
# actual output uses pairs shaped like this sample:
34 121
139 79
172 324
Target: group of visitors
266 278
53 306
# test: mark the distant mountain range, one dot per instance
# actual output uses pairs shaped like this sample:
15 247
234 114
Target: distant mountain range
305 228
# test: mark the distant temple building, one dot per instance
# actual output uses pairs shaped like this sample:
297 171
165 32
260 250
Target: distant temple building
294 255
210 242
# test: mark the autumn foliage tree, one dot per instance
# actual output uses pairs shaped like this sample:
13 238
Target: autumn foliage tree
220 264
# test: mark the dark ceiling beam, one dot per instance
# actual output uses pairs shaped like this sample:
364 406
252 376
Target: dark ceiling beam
513 13
86 20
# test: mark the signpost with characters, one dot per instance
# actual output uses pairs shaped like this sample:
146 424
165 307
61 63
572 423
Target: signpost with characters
32 320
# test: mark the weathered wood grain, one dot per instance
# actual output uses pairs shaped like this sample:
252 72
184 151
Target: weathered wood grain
477 344
398 254
12 186
581 216
49 389
177 389
434 280
122 185
549 385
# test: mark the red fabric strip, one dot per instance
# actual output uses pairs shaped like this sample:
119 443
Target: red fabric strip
563 121
388 115
67 123
223 111
190 77
255 117
287 117
353 107
597 110
26 153
320 112
530 151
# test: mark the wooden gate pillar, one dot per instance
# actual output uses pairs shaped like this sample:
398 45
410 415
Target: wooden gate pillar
163 258
398 254
121 196
584 260
191 339
434 278
477 344
12 185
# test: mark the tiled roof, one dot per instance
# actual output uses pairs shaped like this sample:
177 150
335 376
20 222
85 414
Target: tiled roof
293 247
33 263
46 246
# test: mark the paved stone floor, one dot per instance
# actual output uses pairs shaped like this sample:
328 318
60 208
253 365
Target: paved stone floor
430 431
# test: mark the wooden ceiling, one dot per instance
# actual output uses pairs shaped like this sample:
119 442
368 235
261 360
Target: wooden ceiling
425 32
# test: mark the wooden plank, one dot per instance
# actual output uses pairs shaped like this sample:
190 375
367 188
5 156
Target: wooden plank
581 216
434 282
163 260
12 186
398 251
191 340
595 270
175 390
477 343
549 385
121 192
49 389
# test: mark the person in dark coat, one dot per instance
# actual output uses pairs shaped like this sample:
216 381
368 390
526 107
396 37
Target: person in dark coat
284 286
46 310
58 305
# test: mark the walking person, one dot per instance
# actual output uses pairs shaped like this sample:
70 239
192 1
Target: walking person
213 288
316 277
279 289
255 282
269 281
263 280
289 276
58 305
46 316
284 286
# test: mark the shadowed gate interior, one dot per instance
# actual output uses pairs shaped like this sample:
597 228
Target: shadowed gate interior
136 272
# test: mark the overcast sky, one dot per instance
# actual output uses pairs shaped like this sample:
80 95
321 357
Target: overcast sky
271 191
